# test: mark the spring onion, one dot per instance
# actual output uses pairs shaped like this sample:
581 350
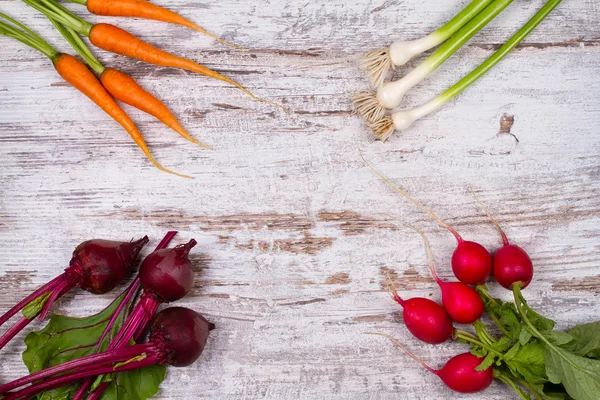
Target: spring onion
401 120
372 105
376 63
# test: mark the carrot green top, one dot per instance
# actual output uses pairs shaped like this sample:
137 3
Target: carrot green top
23 34
59 13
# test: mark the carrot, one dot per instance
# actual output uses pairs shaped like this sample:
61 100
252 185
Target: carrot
77 74
116 40
147 10
127 90
123 87
111 38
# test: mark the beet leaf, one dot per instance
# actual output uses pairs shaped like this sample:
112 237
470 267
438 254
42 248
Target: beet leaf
67 338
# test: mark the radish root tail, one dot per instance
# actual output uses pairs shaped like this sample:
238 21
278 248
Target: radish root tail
376 64
429 253
397 343
383 128
391 289
490 216
367 106
409 198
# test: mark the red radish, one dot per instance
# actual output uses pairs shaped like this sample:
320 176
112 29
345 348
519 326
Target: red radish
177 337
425 319
511 264
458 373
97 266
462 302
471 262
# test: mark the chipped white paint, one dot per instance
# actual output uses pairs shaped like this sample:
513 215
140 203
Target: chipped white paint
284 208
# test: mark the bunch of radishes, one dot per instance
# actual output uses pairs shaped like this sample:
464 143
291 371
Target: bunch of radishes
432 323
177 335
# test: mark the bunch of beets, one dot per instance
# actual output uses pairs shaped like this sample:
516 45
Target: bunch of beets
134 335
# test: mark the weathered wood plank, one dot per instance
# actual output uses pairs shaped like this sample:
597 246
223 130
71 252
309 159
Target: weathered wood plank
295 246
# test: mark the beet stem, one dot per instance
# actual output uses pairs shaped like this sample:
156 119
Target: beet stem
93 360
23 303
440 221
96 394
56 288
133 289
490 216
94 370
61 288
397 343
13 331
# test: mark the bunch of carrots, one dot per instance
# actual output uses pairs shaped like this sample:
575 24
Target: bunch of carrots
112 84
372 105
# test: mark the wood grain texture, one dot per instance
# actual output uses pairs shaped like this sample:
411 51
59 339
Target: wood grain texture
293 248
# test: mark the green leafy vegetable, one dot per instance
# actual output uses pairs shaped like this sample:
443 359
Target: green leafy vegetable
579 375
527 362
66 338
586 340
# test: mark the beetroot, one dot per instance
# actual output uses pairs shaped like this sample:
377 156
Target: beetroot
177 337
97 266
182 334
167 273
132 292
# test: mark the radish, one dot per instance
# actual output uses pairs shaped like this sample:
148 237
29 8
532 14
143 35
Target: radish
372 105
97 266
471 262
511 263
462 302
425 319
376 63
177 337
458 373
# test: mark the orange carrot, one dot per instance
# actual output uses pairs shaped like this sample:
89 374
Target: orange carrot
127 90
147 10
77 74
117 40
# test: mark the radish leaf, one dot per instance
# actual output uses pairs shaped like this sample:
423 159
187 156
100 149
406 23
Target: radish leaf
586 340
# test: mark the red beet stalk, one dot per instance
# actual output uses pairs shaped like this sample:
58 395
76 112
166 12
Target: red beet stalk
177 337
97 266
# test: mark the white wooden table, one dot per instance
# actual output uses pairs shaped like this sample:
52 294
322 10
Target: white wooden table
287 216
